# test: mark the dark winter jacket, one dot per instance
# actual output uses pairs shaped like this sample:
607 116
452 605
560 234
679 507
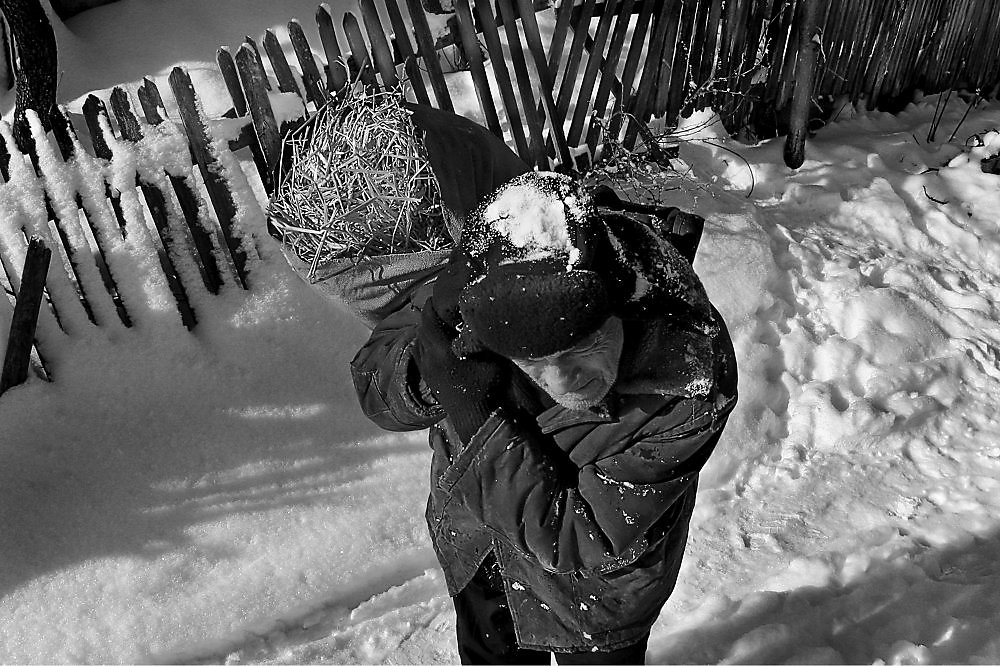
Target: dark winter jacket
586 513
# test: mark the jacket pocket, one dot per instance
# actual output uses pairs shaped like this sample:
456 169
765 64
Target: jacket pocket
470 453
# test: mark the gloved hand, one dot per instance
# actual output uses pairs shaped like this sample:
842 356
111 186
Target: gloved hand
468 389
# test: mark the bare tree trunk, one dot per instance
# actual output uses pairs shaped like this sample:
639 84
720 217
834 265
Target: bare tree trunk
795 142
35 67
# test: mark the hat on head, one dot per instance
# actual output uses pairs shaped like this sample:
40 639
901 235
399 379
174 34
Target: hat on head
533 289
533 309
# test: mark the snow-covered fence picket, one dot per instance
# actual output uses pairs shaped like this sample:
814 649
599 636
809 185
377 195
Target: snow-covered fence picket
141 223
24 317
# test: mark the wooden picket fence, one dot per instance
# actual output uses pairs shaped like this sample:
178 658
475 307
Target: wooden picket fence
611 66
186 219
608 68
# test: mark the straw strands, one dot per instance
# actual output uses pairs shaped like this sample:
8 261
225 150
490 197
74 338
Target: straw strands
357 183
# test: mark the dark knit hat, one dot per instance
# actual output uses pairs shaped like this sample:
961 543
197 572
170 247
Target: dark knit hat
533 288
533 309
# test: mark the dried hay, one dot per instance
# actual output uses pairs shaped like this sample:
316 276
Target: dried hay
357 183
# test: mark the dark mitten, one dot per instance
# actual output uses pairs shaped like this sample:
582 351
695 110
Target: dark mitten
468 389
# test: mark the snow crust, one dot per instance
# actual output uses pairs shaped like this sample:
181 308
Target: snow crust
218 496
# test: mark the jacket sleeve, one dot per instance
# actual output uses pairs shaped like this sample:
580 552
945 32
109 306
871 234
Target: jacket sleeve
579 518
386 380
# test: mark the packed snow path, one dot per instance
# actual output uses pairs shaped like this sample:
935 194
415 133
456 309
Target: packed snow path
218 496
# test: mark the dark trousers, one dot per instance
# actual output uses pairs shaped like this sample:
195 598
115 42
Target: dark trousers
485 629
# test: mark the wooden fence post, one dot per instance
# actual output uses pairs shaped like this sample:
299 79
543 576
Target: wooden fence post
795 142
151 102
218 191
156 202
25 318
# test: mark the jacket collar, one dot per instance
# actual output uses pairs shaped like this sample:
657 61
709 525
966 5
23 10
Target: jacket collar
557 416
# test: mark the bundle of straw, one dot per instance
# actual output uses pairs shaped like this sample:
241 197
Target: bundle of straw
357 183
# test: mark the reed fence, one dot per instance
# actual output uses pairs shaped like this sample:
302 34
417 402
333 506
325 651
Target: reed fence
598 72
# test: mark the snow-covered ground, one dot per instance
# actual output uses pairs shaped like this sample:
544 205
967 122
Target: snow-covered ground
218 496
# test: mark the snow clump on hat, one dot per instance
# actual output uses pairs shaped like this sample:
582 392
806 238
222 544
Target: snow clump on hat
532 288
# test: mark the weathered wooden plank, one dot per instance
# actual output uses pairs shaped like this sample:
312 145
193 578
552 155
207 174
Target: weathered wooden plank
381 52
359 51
65 134
782 39
63 131
974 40
279 64
336 63
696 42
875 39
558 42
406 52
860 51
425 47
265 125
988 72
533 38
943 69
930 52
17 356
491 35
536 147
929 33
247 136
157 204
900 47
227 66
782 91
581 28
725 36
839 46
711 43
954 57
608 71
218 192
646 94
311 78
584 98
842 46
736 60
93 109
671 81
252 44
149 99
626 96
885 27
75 256
477 67
885 50
821 61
